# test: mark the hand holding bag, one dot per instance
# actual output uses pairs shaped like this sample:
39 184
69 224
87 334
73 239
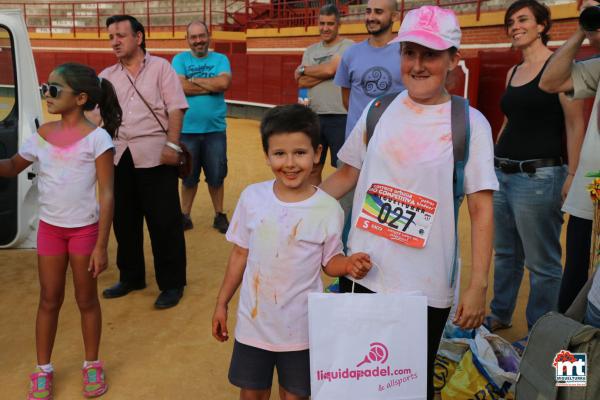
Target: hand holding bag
185 157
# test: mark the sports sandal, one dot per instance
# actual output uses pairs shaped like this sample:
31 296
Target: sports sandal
41 385
493 324
94 384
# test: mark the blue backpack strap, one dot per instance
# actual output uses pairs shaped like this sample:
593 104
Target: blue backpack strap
461 135
376 110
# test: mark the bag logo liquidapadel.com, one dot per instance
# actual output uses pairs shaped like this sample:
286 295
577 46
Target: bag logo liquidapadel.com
571 368
371 367
377 353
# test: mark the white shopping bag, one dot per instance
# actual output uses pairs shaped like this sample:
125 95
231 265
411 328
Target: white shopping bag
367 346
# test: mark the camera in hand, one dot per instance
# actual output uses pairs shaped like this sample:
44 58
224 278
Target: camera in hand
590 19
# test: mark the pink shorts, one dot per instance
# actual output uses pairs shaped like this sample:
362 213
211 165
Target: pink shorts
55 240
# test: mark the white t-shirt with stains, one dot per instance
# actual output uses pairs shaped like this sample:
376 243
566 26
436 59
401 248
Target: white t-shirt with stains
410 158
288 243
67 177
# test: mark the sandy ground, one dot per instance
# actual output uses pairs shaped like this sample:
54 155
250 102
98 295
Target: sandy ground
151 354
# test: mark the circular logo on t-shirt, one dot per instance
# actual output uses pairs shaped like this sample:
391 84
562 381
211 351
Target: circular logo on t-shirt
376 81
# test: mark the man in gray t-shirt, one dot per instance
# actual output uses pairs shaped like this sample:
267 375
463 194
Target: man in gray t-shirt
319 64
371 68
580 80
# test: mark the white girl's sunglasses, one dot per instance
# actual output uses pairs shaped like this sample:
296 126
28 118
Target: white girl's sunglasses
53 90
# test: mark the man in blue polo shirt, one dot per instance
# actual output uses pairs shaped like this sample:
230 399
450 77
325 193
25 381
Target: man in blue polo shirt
205 76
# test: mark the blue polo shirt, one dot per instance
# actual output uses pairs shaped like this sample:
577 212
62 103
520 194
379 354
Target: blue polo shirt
207 111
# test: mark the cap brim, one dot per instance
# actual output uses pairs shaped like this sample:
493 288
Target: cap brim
424 38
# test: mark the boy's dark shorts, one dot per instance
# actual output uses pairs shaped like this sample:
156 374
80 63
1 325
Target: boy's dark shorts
252 368
209 153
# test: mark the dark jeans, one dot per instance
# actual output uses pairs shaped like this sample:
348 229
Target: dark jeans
333 131
575 275
150 193
436 321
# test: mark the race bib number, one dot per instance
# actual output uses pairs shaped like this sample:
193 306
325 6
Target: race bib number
397 215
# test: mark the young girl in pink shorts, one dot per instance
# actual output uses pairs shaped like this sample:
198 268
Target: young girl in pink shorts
72 154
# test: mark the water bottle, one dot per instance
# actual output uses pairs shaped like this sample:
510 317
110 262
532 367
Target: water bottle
303 97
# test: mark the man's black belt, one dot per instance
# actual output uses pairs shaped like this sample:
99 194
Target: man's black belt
528 166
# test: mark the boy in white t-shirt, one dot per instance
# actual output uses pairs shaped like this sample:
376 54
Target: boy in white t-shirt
403 214
283 231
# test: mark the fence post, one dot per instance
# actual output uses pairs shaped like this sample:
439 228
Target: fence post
478 10
247 6
210 14
73 18
147 16
50 18
173 17
98 19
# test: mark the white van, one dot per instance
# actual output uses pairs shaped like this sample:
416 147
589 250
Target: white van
20 116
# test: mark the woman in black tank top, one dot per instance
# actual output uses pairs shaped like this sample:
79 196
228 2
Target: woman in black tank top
530 170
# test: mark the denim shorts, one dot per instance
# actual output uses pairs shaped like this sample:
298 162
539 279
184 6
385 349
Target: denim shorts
252 368
209 153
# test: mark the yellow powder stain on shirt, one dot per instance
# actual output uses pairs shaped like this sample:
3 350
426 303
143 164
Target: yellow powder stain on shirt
294 231
256 285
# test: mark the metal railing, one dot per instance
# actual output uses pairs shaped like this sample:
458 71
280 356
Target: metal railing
305 13
74 17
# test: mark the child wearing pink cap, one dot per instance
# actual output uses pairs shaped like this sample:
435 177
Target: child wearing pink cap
411 152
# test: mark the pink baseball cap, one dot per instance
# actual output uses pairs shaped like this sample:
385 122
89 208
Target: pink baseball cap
430 26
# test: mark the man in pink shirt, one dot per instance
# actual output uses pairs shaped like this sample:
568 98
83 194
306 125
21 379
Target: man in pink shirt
146 177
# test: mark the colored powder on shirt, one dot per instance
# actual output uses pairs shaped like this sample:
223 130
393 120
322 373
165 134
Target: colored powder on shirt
446 138
294 231
64 138
411 105
256 285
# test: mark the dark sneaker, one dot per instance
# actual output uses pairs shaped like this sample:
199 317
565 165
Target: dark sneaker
221 223
187 222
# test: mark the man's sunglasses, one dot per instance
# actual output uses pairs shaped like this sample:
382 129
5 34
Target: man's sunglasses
53 90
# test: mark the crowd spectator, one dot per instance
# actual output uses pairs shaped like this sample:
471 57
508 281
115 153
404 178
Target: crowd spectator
205 76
